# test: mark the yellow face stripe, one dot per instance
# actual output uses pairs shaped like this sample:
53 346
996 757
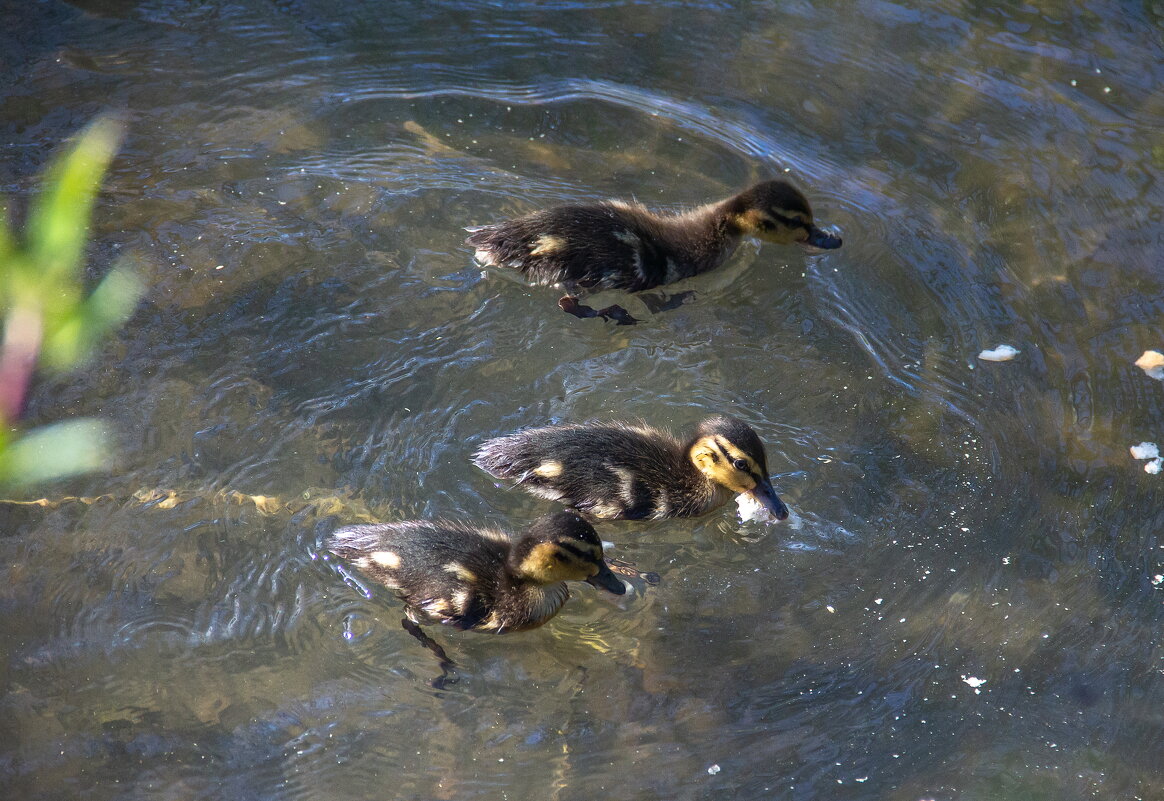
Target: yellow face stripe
548 562
782 226
790 217
715 457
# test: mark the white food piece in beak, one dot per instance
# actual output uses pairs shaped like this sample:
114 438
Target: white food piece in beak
752 509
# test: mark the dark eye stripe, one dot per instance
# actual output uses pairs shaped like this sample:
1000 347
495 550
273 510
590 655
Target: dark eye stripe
573 550
731 459
790 222
722 450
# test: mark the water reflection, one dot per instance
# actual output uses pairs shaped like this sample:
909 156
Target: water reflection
296 184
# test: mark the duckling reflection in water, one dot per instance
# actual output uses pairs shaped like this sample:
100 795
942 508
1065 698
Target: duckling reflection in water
626 471
623 245
476 578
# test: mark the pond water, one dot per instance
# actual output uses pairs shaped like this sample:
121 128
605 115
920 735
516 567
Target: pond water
967 601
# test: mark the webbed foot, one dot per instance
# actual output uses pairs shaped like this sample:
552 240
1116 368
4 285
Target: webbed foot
571 305
446 665
663 302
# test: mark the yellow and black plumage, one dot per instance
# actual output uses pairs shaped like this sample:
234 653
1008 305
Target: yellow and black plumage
621 245
631 471
479 578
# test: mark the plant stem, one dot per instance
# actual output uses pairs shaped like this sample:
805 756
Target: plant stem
22 335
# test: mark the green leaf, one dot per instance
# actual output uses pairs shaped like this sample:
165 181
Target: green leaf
114 299
110 304
56 451
41 275
58 222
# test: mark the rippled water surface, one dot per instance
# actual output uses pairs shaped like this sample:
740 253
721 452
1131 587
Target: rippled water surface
967 602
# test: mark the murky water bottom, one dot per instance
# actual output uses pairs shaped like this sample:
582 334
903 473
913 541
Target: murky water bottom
965 603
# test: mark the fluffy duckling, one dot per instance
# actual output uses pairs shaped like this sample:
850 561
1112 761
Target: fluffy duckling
479 578
621 245
626 471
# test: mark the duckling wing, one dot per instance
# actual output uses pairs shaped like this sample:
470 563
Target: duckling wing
610 246
609 471
446 571
471 614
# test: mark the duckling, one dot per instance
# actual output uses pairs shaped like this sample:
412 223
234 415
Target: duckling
621 245
626 471
479 579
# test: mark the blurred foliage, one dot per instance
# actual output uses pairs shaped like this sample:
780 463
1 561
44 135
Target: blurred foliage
49 322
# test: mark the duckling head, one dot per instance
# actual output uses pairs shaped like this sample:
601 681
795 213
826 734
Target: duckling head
728 452
776 211
563 547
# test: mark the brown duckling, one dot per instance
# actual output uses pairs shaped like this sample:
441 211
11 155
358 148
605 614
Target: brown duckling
621 245
628 471
479 578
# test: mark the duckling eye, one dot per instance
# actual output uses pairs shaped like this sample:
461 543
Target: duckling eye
740 464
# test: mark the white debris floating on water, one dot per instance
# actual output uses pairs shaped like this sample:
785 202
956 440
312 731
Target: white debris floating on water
1149 451
1145 450
1152 363
974 682
714 769
1002 353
